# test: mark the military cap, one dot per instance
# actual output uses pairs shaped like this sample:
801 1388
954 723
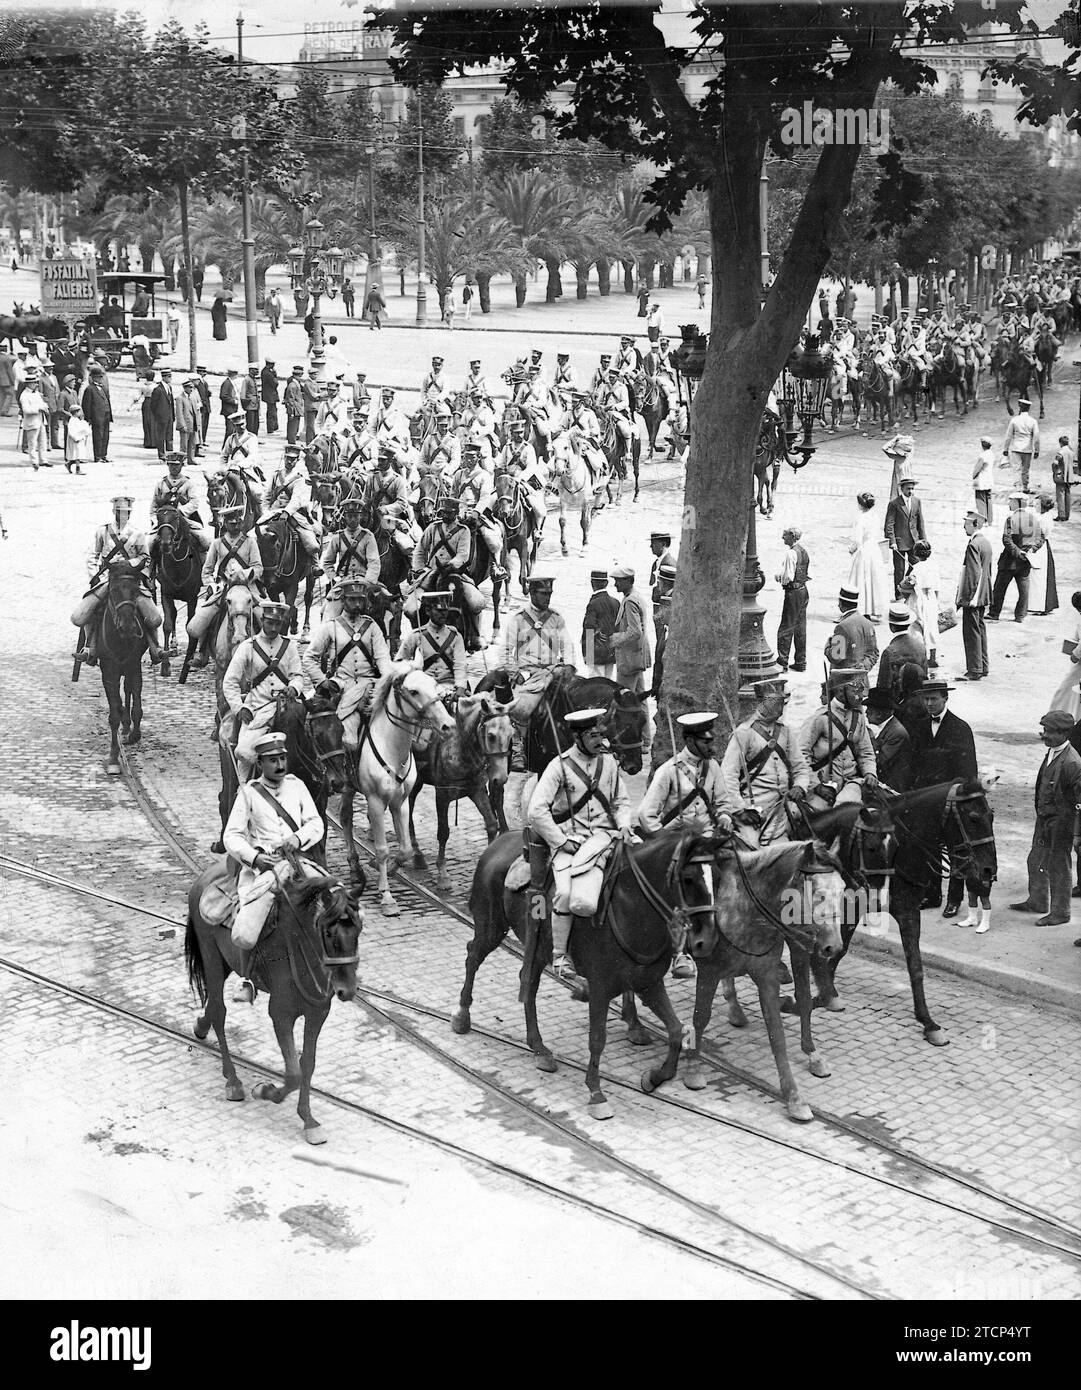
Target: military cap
351 504
253 366
698 723
540 581
775 686
127 501
355 587
235 509
281 611
1024 400
174 456
563 357
472 447
270 743
298 371
293 451
606 357
582 719
845 675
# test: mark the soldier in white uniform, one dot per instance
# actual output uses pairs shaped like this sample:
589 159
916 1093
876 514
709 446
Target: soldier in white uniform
836 742
600 376
475 491
261 668
565 384
439 646
333 417
175 490
351 553
434 388
442 450
580 795
241 451
628 359
614 397
534 643
479 424
584 430
116 543
477 382
289 491
765 750
534 398
519 459
346 657
359 452
273 821
444 546
233 558
391 424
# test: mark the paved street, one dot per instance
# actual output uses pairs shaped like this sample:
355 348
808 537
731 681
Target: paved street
119 1133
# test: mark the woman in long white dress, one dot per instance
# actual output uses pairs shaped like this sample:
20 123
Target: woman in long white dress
867 574
1068 696
920 587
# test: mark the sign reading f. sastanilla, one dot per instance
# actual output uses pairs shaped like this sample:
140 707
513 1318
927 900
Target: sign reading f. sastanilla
75 1342
69 286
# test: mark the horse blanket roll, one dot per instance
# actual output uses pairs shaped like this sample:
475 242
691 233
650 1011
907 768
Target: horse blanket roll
587 873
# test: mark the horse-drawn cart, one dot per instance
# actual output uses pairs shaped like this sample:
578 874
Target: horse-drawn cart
110 332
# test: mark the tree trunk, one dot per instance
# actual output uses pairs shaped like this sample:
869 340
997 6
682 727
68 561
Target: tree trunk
401 280
185 242
441 295
581 277
628 277
146 254
604 276
554 288
260 287
484 291
519 290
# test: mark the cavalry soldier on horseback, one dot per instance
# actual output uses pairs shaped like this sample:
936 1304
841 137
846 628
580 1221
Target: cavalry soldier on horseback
533 400
351 553
174 490
579 808
233 558
333 416
628 361
565 384
836 741
433 388
385 486
688 791
615 398
480 424
657 369
261 668
346 657
361 451
439 646
240 453
763 765
116 543
441 451
391 424
519 459
444 546
585 431
600 376
475 491
273 820
535 643
476 382
289 491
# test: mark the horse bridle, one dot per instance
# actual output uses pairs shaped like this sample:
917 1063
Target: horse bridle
964 851
421 715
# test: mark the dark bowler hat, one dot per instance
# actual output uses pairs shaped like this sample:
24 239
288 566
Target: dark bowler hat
879 700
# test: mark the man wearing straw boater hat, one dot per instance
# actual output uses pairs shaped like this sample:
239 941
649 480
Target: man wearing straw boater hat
903 665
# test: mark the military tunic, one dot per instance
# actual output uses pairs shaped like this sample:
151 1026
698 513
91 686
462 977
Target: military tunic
442 655
687 792
776 763
257 675
255 827
576 796
844 731
352 655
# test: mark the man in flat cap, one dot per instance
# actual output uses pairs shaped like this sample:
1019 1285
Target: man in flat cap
1058 792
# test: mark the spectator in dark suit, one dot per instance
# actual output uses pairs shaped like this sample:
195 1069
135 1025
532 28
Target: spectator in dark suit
98 410
249 397
268 389
230 399
598 625
163 414
903 527
973 596
202 390
1058 792
852 642
943 750
903 665
893 752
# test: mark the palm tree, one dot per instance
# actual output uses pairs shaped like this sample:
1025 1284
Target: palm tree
459 241
18 211
215 236
626 213
541 215
146 223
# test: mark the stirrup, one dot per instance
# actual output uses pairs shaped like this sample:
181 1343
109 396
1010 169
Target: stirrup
245 992
563 969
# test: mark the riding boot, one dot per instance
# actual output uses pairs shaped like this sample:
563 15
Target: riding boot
245 991
561 935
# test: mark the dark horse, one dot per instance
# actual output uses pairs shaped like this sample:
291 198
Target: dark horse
178 566
1014 372
652 405
626 946
952 815
304 959
290 717
519 522
121 644
951 371
229 489
915 384
879 390
286 566
615 451
394 564
463 761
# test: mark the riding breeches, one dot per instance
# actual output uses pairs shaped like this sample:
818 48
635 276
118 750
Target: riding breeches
91 604
355 699
538 503
248 735
493 538
624 428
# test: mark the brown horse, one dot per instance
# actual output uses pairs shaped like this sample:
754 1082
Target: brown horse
229 489
121 644
627 945
519 522
286 566
464 761
178 564
304 959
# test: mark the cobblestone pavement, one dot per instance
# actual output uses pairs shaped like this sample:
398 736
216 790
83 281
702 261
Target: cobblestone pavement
995 1106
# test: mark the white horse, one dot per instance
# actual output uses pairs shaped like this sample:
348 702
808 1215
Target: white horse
578 483
403 702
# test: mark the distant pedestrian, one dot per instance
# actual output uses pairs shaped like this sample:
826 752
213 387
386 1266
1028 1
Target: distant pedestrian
654 323
35 420
348 297
172 315
904 526
598 625
145 388
902 667
983 479
899 451
202 390
450 307
1068 695
1042 580
867 573
163 414
943 750
632 655
793 576
643 300
375 307
7 382
1021 536
1022 442
274 310
309 328
98 409
230 399
662 618
467 301
973 597
702 285
50 389
852 644
300 302
294 405
218 316
249 398
1058 791
1062 474
268 390
893 752
187 420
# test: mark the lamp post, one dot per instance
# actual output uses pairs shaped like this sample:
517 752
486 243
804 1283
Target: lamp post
422 289
320 272
374 275
247 240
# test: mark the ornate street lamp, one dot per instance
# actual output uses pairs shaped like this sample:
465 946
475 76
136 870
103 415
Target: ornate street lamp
804 382
320 272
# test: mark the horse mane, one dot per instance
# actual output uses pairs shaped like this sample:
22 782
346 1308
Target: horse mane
381 692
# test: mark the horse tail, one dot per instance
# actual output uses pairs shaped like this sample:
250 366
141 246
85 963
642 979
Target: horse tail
193 958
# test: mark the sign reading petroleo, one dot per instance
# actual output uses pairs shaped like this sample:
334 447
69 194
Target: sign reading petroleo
69 286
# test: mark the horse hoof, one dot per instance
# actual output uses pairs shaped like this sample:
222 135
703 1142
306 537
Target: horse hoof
736 1017
639 1035
419 862
112 769
789 1005
600 1110
546 1062
233 1089
817 1067
833 1006
694 1080
389 907
646 1081
217 847
799 1111
316 1134
564 550
263 1090
460 1022
200 1029
936 1037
